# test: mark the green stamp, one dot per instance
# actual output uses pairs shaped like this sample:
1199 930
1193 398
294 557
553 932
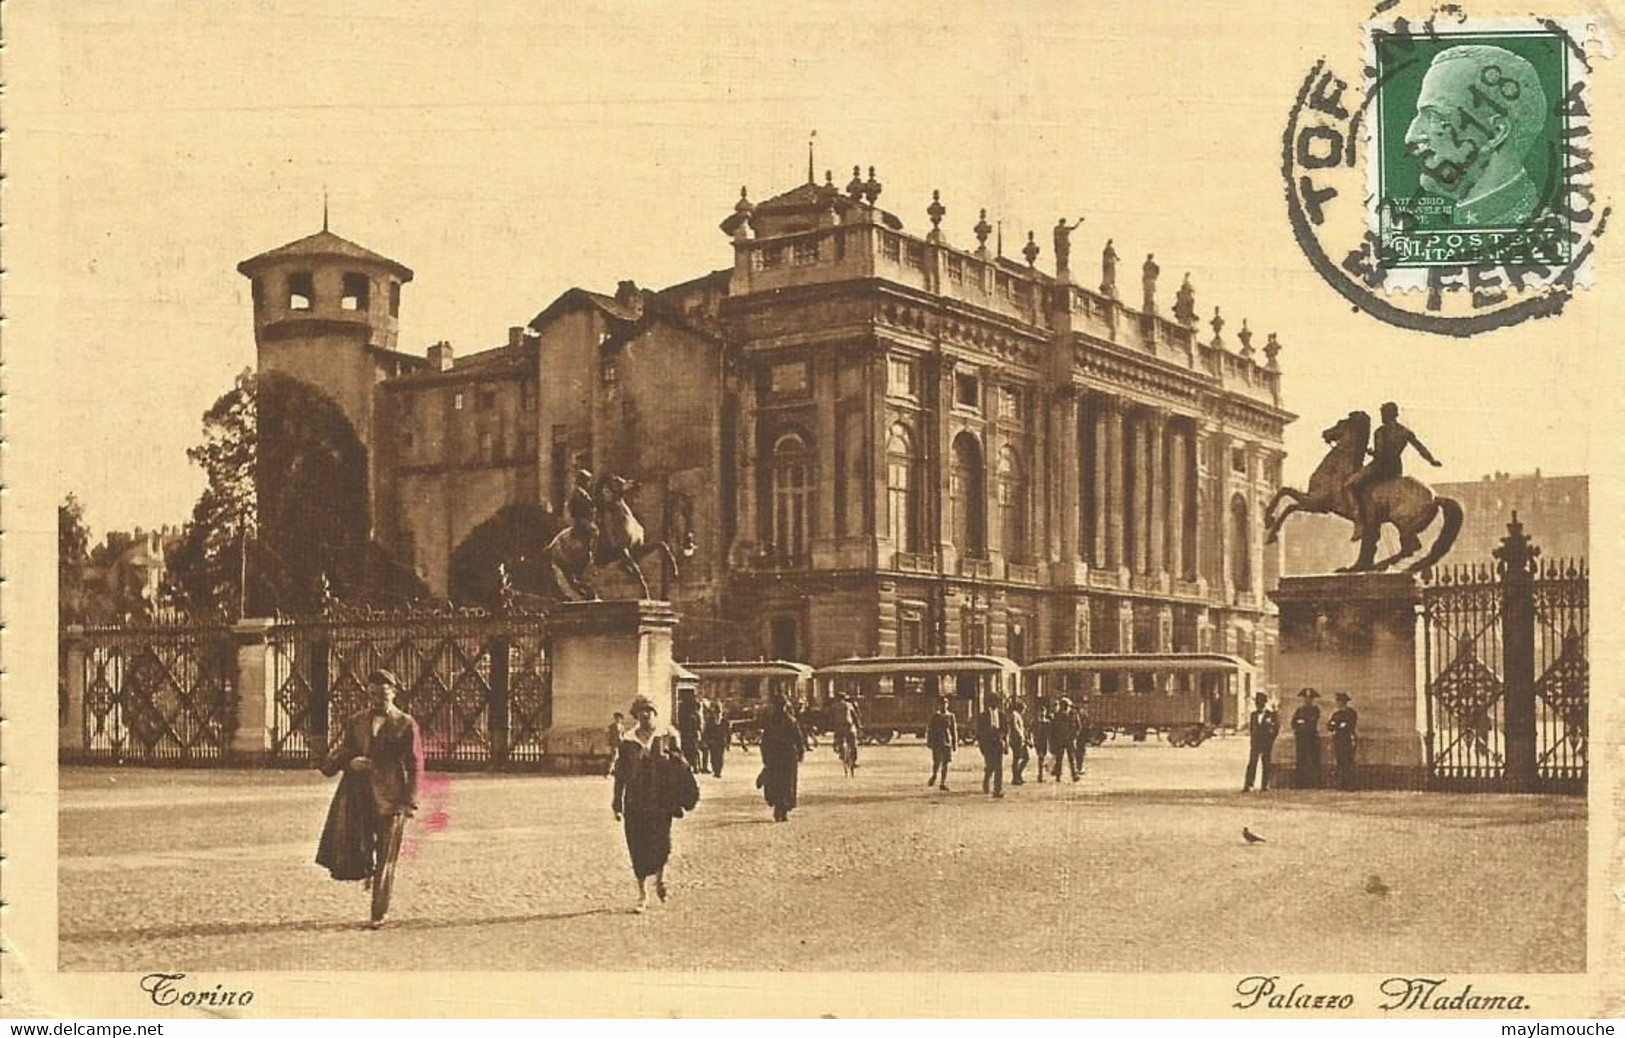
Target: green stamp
1469 158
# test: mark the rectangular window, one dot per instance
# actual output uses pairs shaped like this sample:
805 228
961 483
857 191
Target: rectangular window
357 293
968 391
772 256
301 291
527 396
806 252
487 399
910 629
1238 460
1010 404
609 371
457 402
394 299
788 378
903 378
488 446
527 443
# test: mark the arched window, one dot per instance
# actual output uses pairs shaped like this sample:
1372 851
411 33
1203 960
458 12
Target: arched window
967 493
1012 505
902 490
792 497
1241 540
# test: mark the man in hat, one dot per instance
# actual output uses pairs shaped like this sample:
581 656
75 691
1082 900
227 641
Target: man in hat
1063 737
1017 722
1343 727
990 738
380 751
941 735
1263 725
1306 733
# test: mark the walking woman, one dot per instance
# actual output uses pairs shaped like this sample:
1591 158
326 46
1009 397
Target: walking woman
782 749
380 752
642 799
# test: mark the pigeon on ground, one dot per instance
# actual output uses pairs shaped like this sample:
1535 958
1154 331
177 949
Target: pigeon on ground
1250 836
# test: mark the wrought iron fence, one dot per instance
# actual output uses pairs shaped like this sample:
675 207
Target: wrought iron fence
479 684
1507 670
158 694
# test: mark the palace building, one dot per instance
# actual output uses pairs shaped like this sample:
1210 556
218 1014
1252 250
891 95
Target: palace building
880 442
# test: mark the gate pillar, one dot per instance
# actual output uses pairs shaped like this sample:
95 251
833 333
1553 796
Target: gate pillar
1354 633
1515 559
604 653
71 709
255 682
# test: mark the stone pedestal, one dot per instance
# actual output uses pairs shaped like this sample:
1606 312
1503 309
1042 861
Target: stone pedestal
1354 633
255 734
604 654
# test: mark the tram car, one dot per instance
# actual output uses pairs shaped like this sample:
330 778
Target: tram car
896 695
744 688
1184 698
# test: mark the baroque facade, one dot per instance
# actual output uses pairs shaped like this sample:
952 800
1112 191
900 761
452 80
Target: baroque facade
880 442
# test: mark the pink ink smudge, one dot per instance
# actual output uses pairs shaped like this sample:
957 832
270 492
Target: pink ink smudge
434 795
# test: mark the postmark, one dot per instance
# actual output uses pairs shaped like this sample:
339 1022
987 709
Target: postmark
1448 187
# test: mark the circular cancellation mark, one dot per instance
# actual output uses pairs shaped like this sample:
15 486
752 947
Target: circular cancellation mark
1475 207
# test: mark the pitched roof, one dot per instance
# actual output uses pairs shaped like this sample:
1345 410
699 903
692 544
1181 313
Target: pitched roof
577 297
324 244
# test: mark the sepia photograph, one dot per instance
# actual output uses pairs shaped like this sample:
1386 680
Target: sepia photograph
727 495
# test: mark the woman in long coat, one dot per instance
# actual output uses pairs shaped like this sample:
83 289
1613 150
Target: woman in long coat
782 749
642 799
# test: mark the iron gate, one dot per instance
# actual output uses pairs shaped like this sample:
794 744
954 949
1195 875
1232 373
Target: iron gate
158 695
479 684
1507 671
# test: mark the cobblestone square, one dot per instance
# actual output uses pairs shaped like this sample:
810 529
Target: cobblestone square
1140 866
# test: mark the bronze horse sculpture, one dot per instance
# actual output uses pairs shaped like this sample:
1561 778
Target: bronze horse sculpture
1404 501
621 542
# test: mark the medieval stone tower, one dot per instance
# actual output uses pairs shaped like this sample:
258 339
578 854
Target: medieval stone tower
327 312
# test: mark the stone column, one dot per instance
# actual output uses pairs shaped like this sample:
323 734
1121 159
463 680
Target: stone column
941 406
821 540
1145 481
251 743
1115 543
1065 448
70 736
1201 548
1177 467
1125 625
749 472
1356 633
1156 488
1102 493
604 653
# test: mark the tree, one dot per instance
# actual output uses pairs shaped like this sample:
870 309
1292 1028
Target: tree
72 553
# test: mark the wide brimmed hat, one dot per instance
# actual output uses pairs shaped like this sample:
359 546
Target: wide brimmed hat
384 676
1342 697
642 702
1308 693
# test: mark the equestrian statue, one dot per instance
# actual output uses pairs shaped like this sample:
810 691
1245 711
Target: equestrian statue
1370 494
604 532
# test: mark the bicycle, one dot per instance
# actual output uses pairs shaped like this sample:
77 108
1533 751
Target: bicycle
383 881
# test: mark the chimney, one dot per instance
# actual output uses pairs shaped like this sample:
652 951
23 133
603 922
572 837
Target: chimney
516 336
440 356
630 296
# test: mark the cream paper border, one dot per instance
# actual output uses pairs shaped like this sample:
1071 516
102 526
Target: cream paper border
36 361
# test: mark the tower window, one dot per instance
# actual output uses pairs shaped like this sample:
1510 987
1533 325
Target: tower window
394 299
357 288
968 391
301 291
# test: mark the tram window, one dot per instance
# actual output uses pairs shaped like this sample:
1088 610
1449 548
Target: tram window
753 688
966 686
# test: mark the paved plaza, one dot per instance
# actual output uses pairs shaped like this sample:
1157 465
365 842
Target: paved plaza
1141 866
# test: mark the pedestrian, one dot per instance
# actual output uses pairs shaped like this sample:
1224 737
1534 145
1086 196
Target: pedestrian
845 724
1345 737
688 728
1063 736
380 752
1018 742
1306 733
643 802
1263 725
615 732
783 746
1040 732
716 735
1078 748
941 735
990 737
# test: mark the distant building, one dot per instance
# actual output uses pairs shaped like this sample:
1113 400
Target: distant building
1554 510
123 578
881 443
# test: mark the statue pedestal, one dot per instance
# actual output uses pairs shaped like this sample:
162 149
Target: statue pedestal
1354 633
604 654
